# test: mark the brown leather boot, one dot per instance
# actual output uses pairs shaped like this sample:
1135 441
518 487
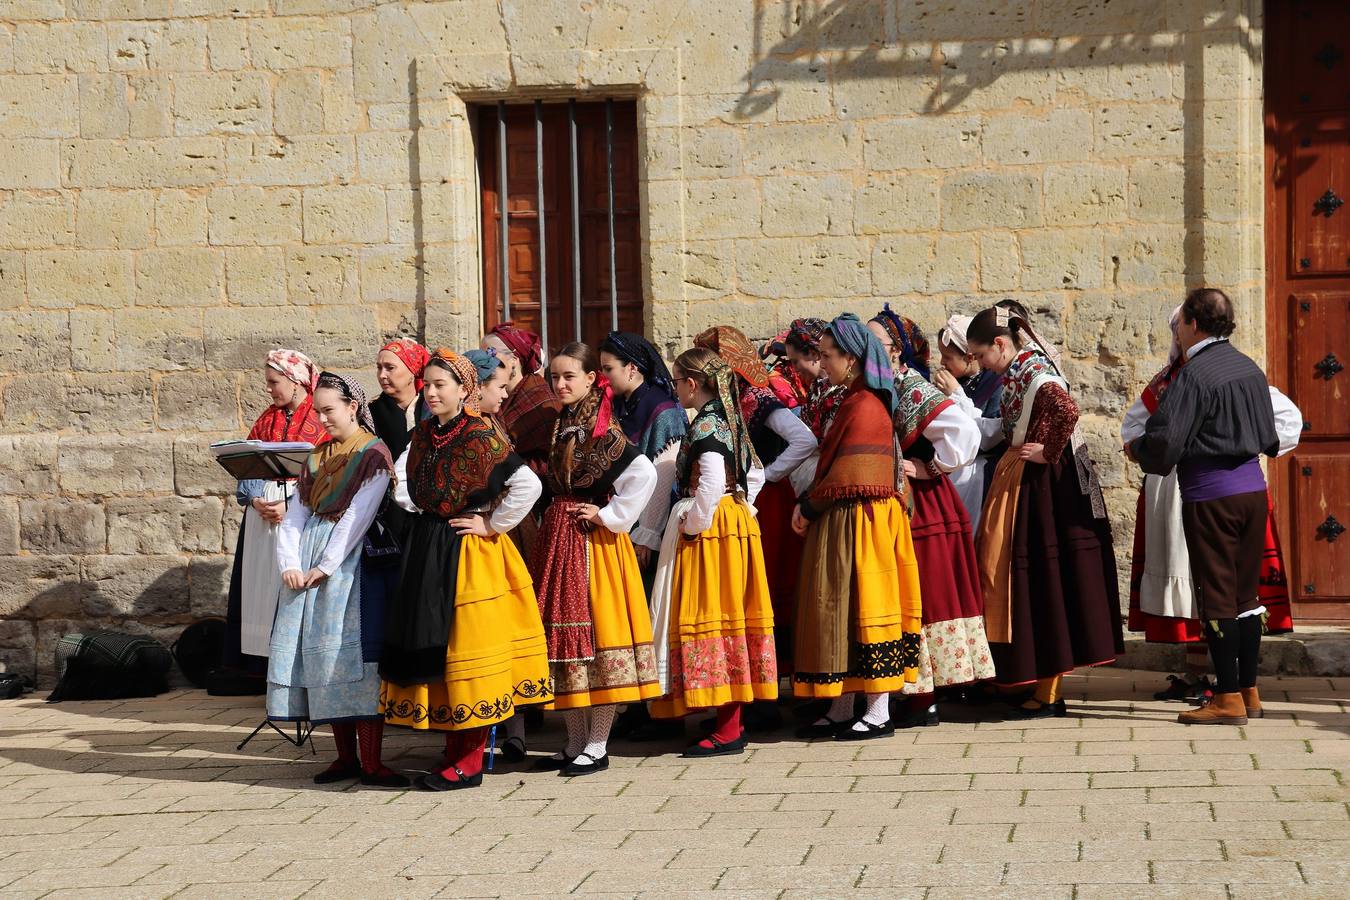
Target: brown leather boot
1252 701
1224 709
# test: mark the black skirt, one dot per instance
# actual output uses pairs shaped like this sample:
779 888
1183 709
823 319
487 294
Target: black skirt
420 612
1065 597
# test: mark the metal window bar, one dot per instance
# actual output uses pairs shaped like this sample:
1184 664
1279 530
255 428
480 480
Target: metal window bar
505 224
609 177
576 221
539 200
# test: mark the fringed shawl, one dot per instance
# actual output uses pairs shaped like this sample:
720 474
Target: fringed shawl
448 464
857 457
528 415
336 470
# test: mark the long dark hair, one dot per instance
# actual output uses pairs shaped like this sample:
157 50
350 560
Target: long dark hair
582 353
986 326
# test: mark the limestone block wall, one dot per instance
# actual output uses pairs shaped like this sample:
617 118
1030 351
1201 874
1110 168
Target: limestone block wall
187 183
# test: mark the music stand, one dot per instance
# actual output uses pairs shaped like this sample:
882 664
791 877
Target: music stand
277 461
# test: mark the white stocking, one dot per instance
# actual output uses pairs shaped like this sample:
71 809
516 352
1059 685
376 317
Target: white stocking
878 711
575 720
601 720
841 710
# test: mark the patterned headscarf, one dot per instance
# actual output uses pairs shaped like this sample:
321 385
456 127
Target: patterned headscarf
805 334
465 372
486 362
296 366
412 354
635 349
350 389
736 350
524 344
907 337
854 339
722 378
953 334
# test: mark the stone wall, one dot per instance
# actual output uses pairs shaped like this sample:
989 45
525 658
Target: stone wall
186 183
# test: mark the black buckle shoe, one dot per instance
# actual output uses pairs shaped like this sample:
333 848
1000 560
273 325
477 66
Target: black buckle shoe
730 748
435 781
920 718
573 769
851 732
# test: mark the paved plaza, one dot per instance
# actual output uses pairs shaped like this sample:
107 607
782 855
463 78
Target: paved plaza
150 798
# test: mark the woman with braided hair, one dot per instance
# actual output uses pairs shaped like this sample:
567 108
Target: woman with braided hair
859 611
1047 568
586 573
711 614
323 664
463 643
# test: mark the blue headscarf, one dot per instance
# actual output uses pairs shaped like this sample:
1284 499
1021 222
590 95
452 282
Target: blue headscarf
485 361
853 338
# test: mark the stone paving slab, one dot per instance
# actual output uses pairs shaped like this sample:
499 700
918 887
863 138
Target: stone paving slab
150 799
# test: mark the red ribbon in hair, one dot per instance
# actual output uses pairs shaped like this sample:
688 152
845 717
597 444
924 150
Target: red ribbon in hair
605 414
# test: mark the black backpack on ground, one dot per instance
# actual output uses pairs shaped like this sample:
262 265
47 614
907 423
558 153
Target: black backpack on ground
110 665
198 649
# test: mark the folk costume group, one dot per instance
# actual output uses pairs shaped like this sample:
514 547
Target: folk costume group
619 540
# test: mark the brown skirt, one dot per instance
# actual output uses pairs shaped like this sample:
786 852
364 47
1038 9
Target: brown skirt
1065 601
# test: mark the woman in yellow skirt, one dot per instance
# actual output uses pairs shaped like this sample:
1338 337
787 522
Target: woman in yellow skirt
859 617
710 604
590 588
463 642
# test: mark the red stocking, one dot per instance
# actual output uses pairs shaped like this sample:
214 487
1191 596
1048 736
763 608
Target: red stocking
344 734
370 735
728 725
468 756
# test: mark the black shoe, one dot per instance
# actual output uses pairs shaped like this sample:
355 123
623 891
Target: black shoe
696 751
386 779
335 773
555 763
919 718
810 710
513 750
572 769
1056 710
851 732
435 781
1178 688
817 730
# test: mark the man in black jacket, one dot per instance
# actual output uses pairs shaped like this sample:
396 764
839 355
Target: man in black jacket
1212 425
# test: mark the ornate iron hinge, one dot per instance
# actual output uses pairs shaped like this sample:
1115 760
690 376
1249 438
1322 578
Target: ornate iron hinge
1329 55
1330 530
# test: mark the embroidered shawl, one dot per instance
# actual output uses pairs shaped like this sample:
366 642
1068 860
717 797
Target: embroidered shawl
1029 370
336 470
857 457
452 463
280 424
920 403
822 401
650 419
710 432
528 415
1153 393
589 449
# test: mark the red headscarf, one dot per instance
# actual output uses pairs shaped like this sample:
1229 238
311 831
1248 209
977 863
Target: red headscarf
524 344
412 354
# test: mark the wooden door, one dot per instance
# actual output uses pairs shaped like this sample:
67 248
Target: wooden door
1307 123
563 244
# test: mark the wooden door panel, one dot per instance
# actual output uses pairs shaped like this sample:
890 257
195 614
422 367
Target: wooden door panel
1320 174
1320 362
1312 51
1321 527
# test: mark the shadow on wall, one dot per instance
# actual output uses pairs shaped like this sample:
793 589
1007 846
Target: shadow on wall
947 55
155 596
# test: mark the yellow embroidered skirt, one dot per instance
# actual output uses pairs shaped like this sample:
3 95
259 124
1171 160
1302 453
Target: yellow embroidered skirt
721 619
859 613
496 658
624 668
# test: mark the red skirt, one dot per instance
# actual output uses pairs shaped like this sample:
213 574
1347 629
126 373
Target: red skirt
782 560
1273 590
953 601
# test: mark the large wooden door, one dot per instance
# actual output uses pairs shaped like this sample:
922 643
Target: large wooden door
1307 123
603 138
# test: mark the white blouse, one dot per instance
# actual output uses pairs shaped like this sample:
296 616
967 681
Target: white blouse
632 489
955 438
523 490
346 535
990 428
801 443
652 522
712 487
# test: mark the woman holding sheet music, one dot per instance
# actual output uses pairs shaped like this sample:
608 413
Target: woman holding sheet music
255 581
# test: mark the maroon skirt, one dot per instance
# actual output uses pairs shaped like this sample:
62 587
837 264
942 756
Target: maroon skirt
782 561
1065 599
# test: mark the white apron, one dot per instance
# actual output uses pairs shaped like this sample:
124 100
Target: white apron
260 574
